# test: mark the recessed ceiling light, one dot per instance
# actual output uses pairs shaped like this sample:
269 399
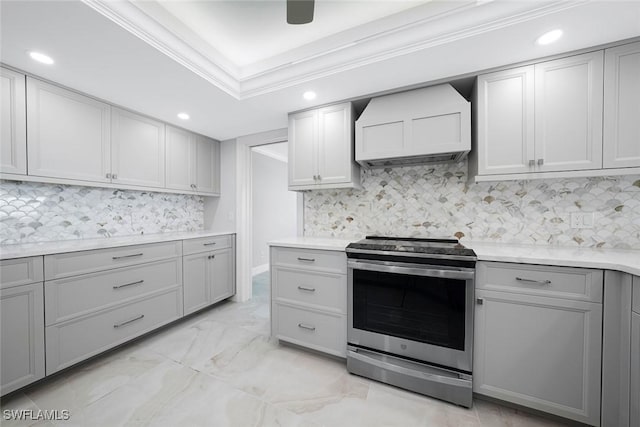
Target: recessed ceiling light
549 37
183 116
41 57
309 95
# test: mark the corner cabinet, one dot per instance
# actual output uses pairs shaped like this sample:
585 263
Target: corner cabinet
209 271
538 338
192 162
321 149
22 323
68 134
621 106
13 125
545 117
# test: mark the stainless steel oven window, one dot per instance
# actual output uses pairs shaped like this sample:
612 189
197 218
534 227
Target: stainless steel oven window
421 341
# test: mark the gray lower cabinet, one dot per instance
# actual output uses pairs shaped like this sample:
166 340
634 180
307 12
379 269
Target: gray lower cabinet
309 298
209 275
538 338
21 336
634 388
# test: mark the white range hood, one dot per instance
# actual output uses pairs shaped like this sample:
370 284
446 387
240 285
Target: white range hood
429 125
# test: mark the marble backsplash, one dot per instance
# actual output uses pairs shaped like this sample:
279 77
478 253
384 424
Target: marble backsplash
437 201
35 212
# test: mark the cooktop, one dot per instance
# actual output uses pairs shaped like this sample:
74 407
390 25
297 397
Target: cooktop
410 246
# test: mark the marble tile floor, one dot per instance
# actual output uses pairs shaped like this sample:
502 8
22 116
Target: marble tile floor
220 368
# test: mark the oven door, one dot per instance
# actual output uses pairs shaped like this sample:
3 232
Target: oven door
418 311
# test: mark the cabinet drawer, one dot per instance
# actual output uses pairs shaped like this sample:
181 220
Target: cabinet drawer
205 244
558 282
74 263
20 271
319 331
334 261
323 289
636 294
79 295
70 342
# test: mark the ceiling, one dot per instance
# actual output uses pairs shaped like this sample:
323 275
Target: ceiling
238 69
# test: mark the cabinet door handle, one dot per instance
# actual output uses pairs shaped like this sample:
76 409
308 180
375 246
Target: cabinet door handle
108 176
307 259
209 244
127 256
126 322
303 288
319 178
479 301
540 282
540 162
307 327
128 284
532 163
114 176
211 257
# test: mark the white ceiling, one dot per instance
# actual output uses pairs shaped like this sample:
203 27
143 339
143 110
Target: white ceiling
237 69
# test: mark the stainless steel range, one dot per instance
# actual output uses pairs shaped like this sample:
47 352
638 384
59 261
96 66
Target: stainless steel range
410 314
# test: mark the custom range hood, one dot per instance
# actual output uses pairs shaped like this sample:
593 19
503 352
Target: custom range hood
429 125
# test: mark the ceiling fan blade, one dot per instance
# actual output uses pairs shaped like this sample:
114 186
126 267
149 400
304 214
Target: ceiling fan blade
300 11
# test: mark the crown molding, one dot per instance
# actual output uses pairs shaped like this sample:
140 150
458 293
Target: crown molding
433 24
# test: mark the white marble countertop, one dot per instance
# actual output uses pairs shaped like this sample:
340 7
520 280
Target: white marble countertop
625 260
323 243
46 248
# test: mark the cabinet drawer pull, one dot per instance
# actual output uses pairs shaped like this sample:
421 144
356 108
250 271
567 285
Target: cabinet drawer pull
126 322
307 327
307 259
541 282
303 288
128 284
127 256
209 244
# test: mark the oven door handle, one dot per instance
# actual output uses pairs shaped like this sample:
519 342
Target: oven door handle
427 271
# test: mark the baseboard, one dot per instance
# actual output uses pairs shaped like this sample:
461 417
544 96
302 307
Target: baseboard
260 269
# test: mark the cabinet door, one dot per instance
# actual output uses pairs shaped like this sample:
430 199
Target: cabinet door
303 141
21 336
621 143
568 113
207 166
180 159
539 352
222 275
13 125
505 121
634 403
197 293
68 134
137 149
335 144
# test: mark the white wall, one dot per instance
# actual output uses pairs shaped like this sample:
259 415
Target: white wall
274 207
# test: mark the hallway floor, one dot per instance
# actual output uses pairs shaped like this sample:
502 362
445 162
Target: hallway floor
220 368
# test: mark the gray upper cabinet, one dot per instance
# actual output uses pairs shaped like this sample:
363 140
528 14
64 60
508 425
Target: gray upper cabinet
192 162
505 121
13 125
207 166
321 149
568 113
621 106
137 149
181 157
69 135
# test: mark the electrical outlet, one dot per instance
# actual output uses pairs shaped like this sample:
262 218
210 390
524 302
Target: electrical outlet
582 219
